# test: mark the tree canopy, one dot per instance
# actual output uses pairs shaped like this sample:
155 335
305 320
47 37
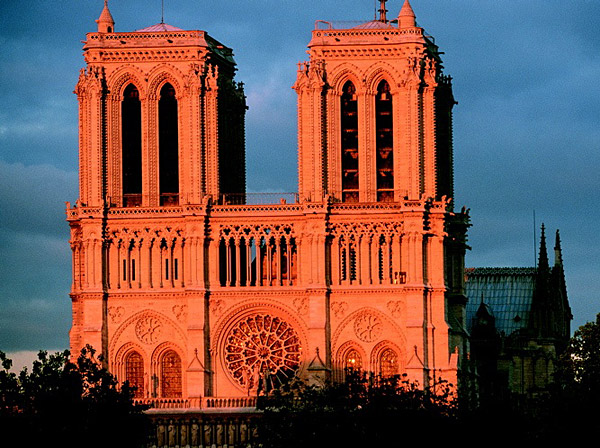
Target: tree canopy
364 410
64 403
571 409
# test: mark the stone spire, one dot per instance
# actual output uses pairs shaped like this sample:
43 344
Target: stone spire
543 264
407 18
106 23
557 250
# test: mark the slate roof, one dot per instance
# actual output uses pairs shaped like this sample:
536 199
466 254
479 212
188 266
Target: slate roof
507 292
373 25
159 27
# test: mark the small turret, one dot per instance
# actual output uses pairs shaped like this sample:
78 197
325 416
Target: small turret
407 18
106 23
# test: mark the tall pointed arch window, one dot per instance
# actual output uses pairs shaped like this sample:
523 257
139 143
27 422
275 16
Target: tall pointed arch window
352 360
131 146
134 372
170 375
388 363
168 146
384 143
349 129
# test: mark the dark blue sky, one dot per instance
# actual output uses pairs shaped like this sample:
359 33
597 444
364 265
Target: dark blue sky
526 128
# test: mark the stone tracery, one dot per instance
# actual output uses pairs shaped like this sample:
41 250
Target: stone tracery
262 345
366 253
258 255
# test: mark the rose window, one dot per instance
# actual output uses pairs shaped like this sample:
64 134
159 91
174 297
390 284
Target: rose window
262 347
368 327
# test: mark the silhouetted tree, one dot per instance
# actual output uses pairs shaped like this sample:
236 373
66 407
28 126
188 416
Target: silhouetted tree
63 403
364 410
570 412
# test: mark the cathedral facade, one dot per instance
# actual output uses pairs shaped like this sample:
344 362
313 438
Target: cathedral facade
198 295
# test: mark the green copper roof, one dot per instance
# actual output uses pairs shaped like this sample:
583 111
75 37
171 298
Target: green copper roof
507 292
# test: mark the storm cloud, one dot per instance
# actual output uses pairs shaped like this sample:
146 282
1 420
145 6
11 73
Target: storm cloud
526 132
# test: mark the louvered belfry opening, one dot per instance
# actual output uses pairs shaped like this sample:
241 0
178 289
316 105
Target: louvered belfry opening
131 146
384 143
168 146
349 126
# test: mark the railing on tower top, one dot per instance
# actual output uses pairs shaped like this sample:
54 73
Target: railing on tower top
257 198
362 27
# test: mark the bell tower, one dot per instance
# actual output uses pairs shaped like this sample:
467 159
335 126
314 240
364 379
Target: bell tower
375 141
161 118
161 137
374 112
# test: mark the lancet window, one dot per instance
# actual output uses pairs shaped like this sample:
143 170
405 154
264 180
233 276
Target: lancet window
134 373
348 260
168 142
260 260
365 254
349 141
388 363
352 360
131 145
384 143
137 259
170 375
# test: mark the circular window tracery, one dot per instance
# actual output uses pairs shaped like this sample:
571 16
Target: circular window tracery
261 346
368 327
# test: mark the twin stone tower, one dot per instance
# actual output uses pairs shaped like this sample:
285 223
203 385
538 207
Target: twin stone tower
199 296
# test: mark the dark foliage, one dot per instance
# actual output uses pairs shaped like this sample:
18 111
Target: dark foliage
570 410
63 403
362 411
566 412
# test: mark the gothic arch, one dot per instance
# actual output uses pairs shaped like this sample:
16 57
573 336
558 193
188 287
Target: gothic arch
176 376
379 72
250 306
162 74
349 349
120 366
122 353
380 349
348 346
385 321
163 348
124 76
347 72
150 328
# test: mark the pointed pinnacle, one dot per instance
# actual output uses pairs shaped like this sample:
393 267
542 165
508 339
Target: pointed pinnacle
543 259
